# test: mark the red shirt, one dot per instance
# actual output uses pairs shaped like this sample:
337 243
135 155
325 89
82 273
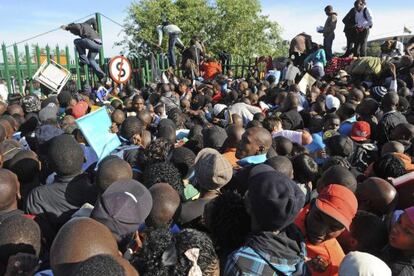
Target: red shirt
329 250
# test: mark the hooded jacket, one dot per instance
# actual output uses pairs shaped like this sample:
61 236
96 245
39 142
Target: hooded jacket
268 253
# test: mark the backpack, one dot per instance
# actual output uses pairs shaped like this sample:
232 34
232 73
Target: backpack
363 156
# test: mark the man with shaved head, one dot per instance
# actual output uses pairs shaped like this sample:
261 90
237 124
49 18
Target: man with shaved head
377 196
251 151
337 175
166 202
78 240
9 194
106 175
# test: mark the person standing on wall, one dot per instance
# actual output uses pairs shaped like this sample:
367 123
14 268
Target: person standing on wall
89 39
329 31
173 32
350 30
363 20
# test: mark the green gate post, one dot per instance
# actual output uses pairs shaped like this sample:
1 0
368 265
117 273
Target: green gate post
86 70
29 69
18 72
147 72
78 75
6 67
243 64
67 58
48 54
57 53
101 51
38 56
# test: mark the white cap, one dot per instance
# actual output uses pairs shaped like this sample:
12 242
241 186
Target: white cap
332 102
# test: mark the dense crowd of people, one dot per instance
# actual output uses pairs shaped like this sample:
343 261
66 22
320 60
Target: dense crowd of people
217 174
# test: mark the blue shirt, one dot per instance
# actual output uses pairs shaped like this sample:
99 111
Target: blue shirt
346 126
317 145
252 160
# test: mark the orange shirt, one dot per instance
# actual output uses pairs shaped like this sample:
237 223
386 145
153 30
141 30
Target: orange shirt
329 250
230 155
211 69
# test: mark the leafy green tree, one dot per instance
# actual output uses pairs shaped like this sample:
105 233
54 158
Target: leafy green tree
235 26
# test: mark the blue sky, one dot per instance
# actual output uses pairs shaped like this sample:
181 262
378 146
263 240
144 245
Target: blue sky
25 18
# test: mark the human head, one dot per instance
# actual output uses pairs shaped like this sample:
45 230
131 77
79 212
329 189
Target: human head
25 164
368 233
346 111
368 106
18 234
376 195
227 220
166 202
130 128
157 151
331 122
332 212
65 155
81 238
234 135
361 131
390 101
123 207
183 159
363 264
138 103
110 170
389 165
118 117
164 172
337 175
305 168
402 132
9 190
214 137
273 199
339 145
392 147
328 9
281 164
272 123
291 101
99 265
255 141
402 232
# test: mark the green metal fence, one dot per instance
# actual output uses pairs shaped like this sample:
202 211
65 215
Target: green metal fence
19 66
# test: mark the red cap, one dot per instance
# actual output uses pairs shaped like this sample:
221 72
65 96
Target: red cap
361 131
339 203
79 109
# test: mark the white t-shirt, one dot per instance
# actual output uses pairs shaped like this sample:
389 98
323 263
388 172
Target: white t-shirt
294 136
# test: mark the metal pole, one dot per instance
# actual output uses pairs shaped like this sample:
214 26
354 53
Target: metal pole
57 54
18 72
29 69
6 67
99 26
48 54
78 75
67 58
38 56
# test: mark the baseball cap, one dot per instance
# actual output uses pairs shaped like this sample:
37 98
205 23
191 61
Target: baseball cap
332 102
361 131
339 203
212 170
123 206
275 199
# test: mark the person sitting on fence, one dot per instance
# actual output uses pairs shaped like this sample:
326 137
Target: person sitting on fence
89 39
173 32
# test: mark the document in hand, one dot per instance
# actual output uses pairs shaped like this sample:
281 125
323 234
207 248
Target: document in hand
95 127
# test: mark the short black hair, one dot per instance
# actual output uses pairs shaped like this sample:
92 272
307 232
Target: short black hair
167 132
183 159
164 172
158 151
336 160
370 232
338 175
281 164
24 166
270 122
389 166
18 234
282 145
305 168
64 98
99 265
65 155
228 221
130 127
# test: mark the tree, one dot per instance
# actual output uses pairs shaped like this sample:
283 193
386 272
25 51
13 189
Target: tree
235 26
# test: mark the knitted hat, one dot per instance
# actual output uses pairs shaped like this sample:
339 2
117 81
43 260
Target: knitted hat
378 92
214 137
275 200
212 170
31 103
